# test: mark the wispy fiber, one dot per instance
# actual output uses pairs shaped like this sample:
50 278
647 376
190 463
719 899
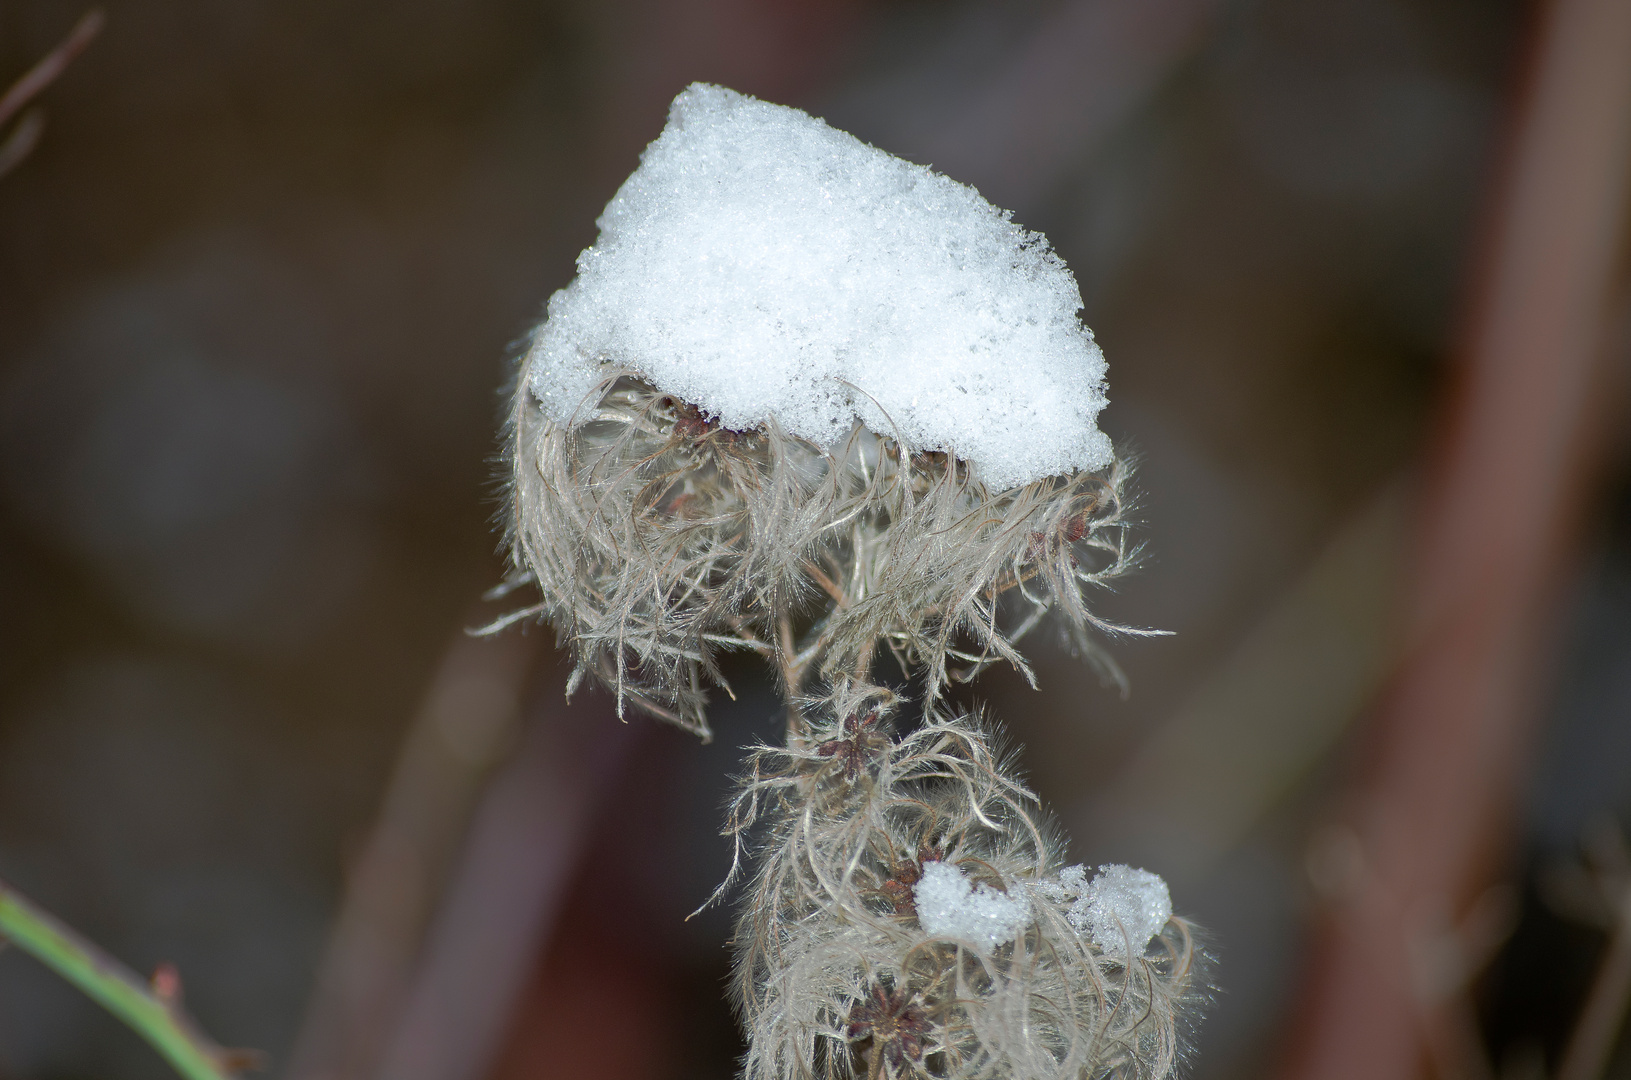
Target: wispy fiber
830 947
658 538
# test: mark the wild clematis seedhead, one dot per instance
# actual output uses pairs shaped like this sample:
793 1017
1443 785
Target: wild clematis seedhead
933 879
810 401
659 538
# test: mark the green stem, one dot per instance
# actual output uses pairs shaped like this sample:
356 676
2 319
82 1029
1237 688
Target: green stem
114 986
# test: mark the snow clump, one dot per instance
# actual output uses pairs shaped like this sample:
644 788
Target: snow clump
762 265
951 906
1119 909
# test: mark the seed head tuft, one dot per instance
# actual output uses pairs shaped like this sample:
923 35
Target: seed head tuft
658 539
982 973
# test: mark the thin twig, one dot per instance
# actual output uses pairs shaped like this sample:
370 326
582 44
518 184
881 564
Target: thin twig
23 140
53 64
830 587
792 679
155 1017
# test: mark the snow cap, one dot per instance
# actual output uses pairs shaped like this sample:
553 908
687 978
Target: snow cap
760 264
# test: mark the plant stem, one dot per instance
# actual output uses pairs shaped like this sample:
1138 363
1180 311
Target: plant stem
112 985
792 679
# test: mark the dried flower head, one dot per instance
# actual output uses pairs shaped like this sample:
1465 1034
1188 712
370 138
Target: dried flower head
658 538
893 1027
813 402
996 976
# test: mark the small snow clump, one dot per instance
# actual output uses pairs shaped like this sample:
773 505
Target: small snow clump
951 906
764 266
1120 908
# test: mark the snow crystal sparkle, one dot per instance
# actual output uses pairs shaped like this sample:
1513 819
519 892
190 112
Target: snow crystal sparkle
1126 907
1121 908
762 265
949 905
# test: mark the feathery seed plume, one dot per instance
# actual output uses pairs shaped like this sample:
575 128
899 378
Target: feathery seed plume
812 402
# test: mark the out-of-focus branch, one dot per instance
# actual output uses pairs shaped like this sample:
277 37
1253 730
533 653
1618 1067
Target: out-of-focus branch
456 885
53 64
1430 817
1593 1038
153 1011
21 142
465 728
523 845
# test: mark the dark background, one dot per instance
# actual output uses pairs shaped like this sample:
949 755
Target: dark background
260 288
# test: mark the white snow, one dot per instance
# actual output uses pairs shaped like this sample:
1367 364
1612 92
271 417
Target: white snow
761 264
949 905
1119 909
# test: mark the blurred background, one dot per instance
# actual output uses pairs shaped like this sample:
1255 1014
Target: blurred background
261 285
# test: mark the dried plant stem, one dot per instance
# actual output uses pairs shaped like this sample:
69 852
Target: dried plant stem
115 987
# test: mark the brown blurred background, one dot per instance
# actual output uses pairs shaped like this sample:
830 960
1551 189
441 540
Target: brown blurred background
260 289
